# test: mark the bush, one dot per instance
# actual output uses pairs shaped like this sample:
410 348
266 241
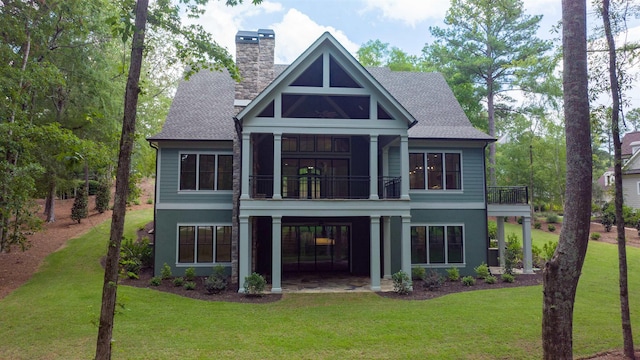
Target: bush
492 228
538 259
508 278
155 281
166 271
433 281
190 274
132 275
549 249
482 270
401 283
512 253
537 225
189 285
217 281
453 274
80 208
254 284
178 281
551 227
607 219
468 281
149 201
418 272
103 197
595 236
520 220
130 266
134 191
490 279
552 219
139 251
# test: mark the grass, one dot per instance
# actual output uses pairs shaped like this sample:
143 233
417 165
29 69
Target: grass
53 316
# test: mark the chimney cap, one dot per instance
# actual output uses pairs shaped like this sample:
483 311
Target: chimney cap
267 33
246 37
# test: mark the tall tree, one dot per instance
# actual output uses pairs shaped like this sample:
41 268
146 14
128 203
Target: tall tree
562 272
494 44
198 51
627 334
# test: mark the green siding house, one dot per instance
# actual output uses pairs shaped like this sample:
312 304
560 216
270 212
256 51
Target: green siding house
320 166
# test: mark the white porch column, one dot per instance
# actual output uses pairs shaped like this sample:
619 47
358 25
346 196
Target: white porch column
373 167
244 252
526 246
501 242
375 253
277 166
406 244
386 245
404 167
246 167
276 256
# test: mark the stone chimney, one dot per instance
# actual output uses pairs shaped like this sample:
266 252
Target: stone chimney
254 59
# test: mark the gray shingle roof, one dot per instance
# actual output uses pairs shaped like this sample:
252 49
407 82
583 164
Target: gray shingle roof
203 106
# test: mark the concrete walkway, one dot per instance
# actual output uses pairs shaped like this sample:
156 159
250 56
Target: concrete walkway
330 283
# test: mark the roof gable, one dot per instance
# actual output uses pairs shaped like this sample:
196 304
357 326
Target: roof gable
326 82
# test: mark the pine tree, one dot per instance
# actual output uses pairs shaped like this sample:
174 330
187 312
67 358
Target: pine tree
103 197
80 208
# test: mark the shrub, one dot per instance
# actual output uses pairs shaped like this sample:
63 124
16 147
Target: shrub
190 274
433 280
130 266
254 284
155 281
552 219
418 272
492 228
512 253
549 249
508 278
537 225
149 201
520 220
538 259
551 227
80 208
468 281
132 275
490 279
595 236
607 219
189 285
493 243
178 281
453 274
139 251
134 191
217 281
482 270
166 271
103 197
401 283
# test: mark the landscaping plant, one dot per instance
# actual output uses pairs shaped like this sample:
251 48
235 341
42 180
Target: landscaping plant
401 283
254 285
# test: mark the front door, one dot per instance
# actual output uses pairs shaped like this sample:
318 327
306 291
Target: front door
316 248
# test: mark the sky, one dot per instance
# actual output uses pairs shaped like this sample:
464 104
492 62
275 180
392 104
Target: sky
400 23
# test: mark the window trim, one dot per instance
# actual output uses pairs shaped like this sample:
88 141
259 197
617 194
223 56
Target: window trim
425 154
197 190
195 248
446 263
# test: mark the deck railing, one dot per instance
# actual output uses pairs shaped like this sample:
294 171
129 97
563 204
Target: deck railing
309 186
508 195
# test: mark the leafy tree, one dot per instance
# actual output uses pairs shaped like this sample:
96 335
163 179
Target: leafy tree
377 53
80 209
633 119
562 272
199 51
103 196
493 45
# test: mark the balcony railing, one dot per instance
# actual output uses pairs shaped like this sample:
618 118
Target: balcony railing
508 195
310 186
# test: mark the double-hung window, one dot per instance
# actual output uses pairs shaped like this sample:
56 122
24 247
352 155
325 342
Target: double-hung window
204 244
437 244
206 171
435 171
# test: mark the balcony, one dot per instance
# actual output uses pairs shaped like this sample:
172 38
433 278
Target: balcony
311 186
507 195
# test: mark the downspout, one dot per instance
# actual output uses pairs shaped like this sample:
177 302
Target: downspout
486 203
235 216
155 204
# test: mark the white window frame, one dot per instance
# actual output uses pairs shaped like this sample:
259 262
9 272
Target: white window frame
446 263
444 171
638 187
195 248
197 175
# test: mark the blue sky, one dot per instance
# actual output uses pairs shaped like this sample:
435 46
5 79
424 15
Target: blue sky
400 23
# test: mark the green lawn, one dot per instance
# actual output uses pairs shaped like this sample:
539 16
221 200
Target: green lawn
53 316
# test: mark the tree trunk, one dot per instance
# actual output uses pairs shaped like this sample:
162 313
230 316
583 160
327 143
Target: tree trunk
50 203
562 272
109 288
627 334
492 132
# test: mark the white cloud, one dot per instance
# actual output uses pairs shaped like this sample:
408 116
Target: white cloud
410 12
297 31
